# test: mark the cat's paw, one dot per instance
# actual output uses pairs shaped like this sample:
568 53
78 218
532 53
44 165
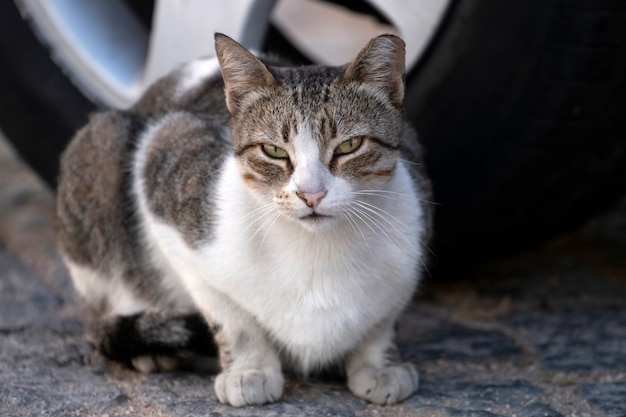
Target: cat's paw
384 385
161 363
254 386
147 364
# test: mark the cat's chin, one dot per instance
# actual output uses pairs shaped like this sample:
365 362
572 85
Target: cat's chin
317 222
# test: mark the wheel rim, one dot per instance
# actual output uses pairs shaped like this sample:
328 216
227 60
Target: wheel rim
112 57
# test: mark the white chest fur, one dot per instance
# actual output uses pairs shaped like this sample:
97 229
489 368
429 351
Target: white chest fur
315 293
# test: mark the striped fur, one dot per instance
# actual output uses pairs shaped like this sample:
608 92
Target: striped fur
280 210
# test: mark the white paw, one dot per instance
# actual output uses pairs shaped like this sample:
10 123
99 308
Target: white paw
384 385
255 386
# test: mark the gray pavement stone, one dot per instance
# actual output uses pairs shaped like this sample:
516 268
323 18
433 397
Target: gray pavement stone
425 336
461 395
608 397
582 339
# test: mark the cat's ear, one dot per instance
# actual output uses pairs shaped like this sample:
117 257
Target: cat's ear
242 71
380 64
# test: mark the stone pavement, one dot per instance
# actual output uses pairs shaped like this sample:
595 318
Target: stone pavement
542 333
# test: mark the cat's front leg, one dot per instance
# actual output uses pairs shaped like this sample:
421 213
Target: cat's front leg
251 368
375 372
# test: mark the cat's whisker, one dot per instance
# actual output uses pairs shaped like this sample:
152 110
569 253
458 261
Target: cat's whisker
374 190
355 226
259 211
274 218
432 252
421 259
375 194
379 192
256 211
389 194
381 213
385 216
434 203
262 213
370 220
210 174
406 161
360 216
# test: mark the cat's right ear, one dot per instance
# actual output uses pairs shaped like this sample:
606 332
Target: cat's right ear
242 71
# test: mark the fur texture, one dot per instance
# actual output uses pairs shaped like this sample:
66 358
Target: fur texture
285 206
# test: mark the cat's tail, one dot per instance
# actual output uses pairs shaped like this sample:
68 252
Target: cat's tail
153 334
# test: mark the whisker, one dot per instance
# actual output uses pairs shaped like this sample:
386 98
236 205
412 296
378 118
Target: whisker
421 259
209 174
355 226
360 216
272 216
260 209
379 192
385 216
428 248
406 161
378 212
276 216
264 211
388 194
375 194
377 224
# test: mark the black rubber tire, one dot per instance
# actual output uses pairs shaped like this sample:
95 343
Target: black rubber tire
40 109
520 105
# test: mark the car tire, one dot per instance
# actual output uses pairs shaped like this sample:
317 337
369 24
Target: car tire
521 106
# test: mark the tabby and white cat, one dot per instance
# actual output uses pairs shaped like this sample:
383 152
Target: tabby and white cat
277 205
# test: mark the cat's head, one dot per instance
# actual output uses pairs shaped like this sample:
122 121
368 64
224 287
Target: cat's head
308 140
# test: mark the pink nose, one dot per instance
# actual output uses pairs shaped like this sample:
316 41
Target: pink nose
312 199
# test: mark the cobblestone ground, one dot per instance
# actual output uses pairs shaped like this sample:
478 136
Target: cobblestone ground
542 333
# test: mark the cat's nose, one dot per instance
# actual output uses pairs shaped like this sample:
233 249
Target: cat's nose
312 199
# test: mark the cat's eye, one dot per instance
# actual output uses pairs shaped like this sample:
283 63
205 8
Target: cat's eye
275 151
349 145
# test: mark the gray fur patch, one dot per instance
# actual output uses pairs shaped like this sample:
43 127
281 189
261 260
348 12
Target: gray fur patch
183 161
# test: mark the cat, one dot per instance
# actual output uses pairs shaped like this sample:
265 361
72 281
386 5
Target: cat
282 208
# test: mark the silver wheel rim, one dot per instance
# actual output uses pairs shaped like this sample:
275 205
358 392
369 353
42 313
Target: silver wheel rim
112 58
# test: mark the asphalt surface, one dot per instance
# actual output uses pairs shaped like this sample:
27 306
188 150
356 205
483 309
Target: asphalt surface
541 333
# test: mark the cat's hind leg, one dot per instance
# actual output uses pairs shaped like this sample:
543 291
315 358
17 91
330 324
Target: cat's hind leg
375 372
158 341
130 330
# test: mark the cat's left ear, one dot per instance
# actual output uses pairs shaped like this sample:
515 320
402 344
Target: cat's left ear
242 71
380 64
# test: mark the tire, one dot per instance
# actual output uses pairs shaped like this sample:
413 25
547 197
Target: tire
520 106
40 108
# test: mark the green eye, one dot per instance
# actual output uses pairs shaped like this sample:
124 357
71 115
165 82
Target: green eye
275 151
349 145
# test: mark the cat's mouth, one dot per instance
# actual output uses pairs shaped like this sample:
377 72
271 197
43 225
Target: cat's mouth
314 217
